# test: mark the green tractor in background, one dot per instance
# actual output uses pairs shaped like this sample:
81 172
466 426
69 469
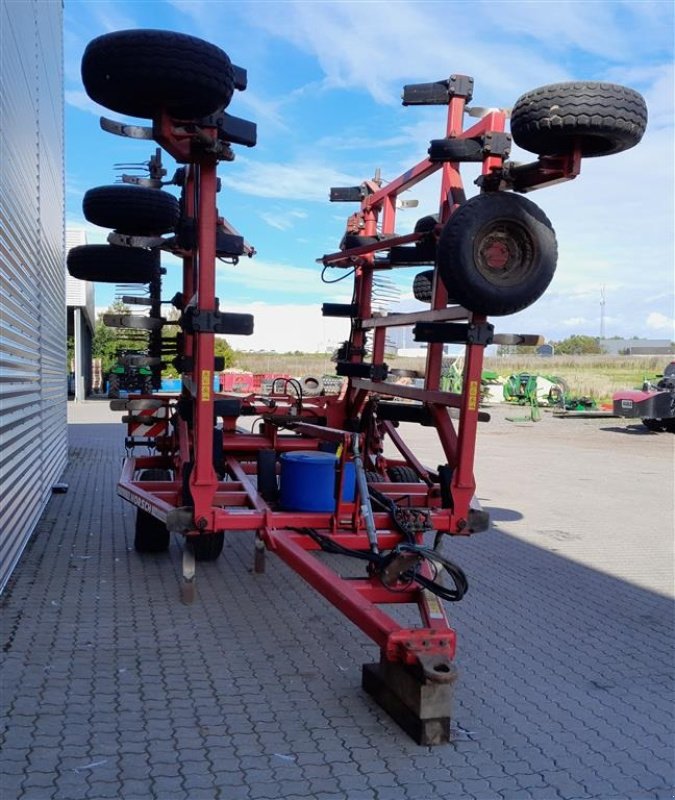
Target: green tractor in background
130 373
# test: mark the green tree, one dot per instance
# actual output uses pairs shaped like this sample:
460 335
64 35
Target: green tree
578 345
108 342
222 348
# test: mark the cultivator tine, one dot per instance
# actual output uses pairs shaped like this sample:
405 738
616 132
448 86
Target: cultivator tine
188 576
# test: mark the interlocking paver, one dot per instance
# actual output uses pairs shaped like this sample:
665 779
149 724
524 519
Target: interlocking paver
565 658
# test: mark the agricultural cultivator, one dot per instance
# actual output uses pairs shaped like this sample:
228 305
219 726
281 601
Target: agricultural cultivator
310 477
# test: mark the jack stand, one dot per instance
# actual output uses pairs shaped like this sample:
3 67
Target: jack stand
417 699
187 584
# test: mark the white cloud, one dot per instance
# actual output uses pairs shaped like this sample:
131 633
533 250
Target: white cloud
297 180
282 220
78 98
660 322
287 328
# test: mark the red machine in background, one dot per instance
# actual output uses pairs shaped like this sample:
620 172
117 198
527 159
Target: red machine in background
311 474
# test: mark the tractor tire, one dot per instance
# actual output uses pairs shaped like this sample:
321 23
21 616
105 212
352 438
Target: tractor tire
151 535
374 477
497 253
141 73
113 386
603 118
311 386
132 210
206 546
403 475
422 285
107 263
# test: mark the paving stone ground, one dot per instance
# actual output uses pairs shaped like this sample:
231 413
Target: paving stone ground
111 688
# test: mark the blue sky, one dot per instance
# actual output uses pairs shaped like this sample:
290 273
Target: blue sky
324 89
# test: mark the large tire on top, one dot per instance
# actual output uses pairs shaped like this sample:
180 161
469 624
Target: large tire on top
497 253
151 534
133 210
107 263
142 72
603 118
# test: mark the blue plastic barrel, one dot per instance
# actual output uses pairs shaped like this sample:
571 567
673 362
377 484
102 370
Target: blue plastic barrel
307 481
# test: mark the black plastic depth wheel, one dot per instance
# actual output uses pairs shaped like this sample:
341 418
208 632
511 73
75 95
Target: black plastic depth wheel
107 263
497 253
142 72
604 118
206 546
422 285
151 535
132 210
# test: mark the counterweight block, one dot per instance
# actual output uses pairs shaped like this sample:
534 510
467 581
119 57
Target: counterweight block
421 706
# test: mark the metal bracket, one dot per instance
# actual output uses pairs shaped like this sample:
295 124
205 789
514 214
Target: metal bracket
339 310
180 519
347 194
376 372
454 333
195 320
497 143
512 339
124 240
438 93
148 183
123 129
132 321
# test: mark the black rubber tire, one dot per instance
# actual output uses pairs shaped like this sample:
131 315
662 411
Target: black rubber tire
604 118
374 477
311 386
133 210
403 475
426 248
426 224
113 386
106 263
151 535
206 546
460 150
142 72
655 425
422 285
492 228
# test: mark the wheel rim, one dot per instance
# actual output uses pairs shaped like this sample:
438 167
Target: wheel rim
504 253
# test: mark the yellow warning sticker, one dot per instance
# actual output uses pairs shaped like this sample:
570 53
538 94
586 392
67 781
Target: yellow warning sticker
206 385
473 395
434 608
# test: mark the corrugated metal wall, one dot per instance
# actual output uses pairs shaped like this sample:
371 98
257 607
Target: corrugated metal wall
33 443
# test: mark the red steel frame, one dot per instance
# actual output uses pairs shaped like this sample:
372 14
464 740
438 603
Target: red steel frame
234 504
